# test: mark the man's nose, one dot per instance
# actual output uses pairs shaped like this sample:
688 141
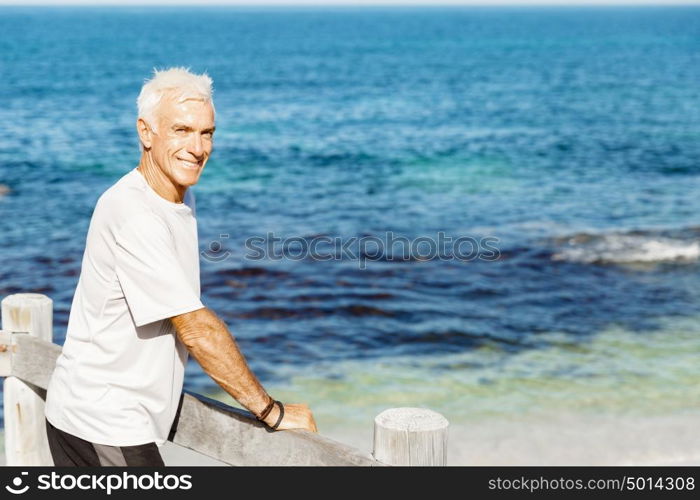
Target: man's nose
196 146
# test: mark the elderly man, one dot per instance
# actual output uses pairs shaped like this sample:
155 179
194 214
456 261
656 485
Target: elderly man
136 311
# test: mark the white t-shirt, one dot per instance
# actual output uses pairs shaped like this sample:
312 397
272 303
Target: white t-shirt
119 377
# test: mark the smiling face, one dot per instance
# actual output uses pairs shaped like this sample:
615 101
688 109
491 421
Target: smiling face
182 140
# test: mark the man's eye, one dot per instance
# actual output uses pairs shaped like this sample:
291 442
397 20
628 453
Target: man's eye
208 135
180 131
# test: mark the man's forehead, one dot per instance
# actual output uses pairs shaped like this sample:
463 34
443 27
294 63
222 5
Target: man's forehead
185 109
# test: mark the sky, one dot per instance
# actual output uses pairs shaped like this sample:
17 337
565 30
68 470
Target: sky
350 2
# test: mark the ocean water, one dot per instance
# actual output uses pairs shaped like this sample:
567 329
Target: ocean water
569 137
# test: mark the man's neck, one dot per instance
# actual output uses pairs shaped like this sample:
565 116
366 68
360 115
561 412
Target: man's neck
159 182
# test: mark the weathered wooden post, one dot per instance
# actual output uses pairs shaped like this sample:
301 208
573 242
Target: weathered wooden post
410 436
25 429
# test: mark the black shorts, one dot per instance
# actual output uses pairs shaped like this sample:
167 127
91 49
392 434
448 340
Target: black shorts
71 451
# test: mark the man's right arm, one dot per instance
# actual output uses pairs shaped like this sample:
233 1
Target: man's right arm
209 341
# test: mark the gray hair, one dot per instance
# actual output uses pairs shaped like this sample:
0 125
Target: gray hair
179 82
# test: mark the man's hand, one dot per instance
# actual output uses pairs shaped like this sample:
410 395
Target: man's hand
296 416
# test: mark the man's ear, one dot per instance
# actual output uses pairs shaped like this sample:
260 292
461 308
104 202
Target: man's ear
145 133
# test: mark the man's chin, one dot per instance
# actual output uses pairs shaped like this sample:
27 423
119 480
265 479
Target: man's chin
187 177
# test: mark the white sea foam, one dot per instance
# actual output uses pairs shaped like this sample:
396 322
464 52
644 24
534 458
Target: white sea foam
628 249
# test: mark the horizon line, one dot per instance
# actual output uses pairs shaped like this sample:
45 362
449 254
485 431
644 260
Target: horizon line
346 4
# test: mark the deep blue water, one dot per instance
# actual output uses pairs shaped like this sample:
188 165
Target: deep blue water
571 135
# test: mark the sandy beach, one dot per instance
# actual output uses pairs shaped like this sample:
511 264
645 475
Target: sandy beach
567 440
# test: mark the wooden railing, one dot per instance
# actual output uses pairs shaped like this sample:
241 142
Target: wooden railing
404 436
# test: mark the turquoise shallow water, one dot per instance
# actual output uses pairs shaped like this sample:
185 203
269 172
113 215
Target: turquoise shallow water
570 136
618 372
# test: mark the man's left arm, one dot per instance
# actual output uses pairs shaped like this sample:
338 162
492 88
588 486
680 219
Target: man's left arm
209 341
